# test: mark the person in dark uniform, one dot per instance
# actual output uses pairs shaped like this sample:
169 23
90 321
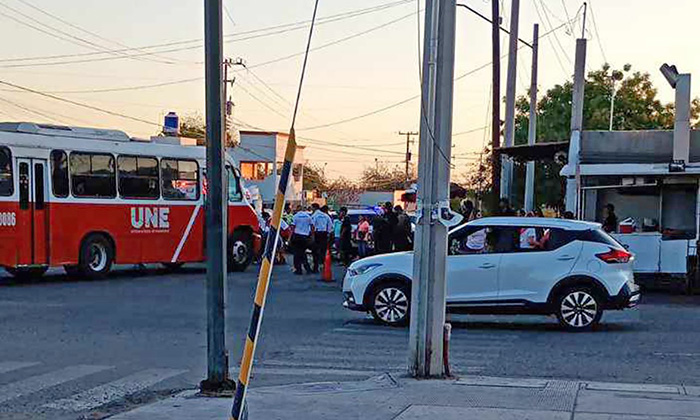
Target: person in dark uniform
610 221
402 231
382 233
345 236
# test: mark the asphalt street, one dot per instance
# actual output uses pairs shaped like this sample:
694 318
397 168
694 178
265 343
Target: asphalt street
86 349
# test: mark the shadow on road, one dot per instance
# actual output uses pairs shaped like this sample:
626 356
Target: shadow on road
6 280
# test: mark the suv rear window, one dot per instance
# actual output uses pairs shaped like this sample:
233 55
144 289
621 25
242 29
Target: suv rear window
599 236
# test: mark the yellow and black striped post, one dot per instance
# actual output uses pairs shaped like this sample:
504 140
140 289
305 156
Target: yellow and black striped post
263 282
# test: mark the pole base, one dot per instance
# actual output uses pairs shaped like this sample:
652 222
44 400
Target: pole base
210 388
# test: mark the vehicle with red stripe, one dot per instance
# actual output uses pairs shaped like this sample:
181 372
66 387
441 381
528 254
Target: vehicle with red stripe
86 199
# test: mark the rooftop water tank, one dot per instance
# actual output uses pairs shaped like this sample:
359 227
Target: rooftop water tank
171 124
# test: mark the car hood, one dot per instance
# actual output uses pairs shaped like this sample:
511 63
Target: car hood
403 260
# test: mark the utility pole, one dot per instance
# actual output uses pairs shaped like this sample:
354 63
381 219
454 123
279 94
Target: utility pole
217 358
228 63
509 134
409 141
532 127
495 104
428 288
573 183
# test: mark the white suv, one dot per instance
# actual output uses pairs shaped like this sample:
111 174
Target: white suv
508 265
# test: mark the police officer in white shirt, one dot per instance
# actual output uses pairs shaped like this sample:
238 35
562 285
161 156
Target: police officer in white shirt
302 228
323 226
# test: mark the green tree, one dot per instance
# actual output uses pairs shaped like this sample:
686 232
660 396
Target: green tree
315 178
383 177
636 107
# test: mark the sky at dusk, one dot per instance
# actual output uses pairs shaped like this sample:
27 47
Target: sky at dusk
366 60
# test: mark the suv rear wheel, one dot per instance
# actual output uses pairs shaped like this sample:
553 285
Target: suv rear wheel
578 308
390 303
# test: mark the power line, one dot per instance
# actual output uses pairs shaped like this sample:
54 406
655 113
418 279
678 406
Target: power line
126 88
597 34
403 101
551 43
74 26
566 12
231 38
556 38
80 104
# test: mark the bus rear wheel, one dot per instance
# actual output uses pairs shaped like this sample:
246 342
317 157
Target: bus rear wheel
96 257
26 273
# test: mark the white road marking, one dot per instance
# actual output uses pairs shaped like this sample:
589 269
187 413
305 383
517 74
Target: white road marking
114 391
37 383
10 366
193 218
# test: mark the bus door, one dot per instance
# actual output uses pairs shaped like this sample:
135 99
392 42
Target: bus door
32 217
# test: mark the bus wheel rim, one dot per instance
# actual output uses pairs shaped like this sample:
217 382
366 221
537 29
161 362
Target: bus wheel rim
98 257
240 252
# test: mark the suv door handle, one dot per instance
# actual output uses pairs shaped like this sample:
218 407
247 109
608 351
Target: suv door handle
565 258
487 265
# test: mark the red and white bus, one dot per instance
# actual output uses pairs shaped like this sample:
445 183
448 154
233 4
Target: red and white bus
86 198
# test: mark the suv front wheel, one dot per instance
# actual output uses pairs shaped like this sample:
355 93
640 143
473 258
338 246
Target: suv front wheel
390 303
578 308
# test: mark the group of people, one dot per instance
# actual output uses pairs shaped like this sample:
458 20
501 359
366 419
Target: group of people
311 231
390 232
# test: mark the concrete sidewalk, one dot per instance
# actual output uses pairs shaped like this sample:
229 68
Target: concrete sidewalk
387 397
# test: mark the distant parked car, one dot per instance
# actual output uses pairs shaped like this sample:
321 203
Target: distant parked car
568 268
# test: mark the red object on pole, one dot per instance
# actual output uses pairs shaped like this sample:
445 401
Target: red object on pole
327 269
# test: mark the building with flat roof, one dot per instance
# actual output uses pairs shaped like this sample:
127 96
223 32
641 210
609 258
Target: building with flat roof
260 155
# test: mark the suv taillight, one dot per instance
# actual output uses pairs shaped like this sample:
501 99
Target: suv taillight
615 256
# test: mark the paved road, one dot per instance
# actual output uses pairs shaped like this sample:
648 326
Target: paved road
77 349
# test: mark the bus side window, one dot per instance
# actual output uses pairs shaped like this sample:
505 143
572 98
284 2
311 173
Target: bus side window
93 175
234 190
6 184
138 177
179 179
59 173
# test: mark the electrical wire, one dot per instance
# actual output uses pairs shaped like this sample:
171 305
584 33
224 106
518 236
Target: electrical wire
597 34
79 104
551 43
96 35
229 38
556 38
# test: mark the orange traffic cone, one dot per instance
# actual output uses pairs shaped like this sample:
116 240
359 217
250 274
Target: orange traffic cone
327 269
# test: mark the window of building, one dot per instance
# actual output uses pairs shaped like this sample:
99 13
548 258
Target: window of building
93 175
234 189
256 171
59 173
179 179
138 177
6 183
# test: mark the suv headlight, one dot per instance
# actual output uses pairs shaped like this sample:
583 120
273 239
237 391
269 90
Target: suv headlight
362 269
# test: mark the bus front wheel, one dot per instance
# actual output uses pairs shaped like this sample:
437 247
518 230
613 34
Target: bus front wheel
240 251
96 256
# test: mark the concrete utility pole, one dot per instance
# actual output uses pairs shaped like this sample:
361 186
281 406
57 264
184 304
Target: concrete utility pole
572 183
428 289
495 103
409 141
509 134
532 127
217 358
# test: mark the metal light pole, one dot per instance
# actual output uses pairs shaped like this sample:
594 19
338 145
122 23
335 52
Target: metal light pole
509 132
532 128
217 358
428 287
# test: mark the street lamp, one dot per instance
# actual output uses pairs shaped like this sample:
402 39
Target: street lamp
614 77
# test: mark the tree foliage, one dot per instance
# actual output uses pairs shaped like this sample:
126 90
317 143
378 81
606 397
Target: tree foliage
636 107
315 178
384 177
